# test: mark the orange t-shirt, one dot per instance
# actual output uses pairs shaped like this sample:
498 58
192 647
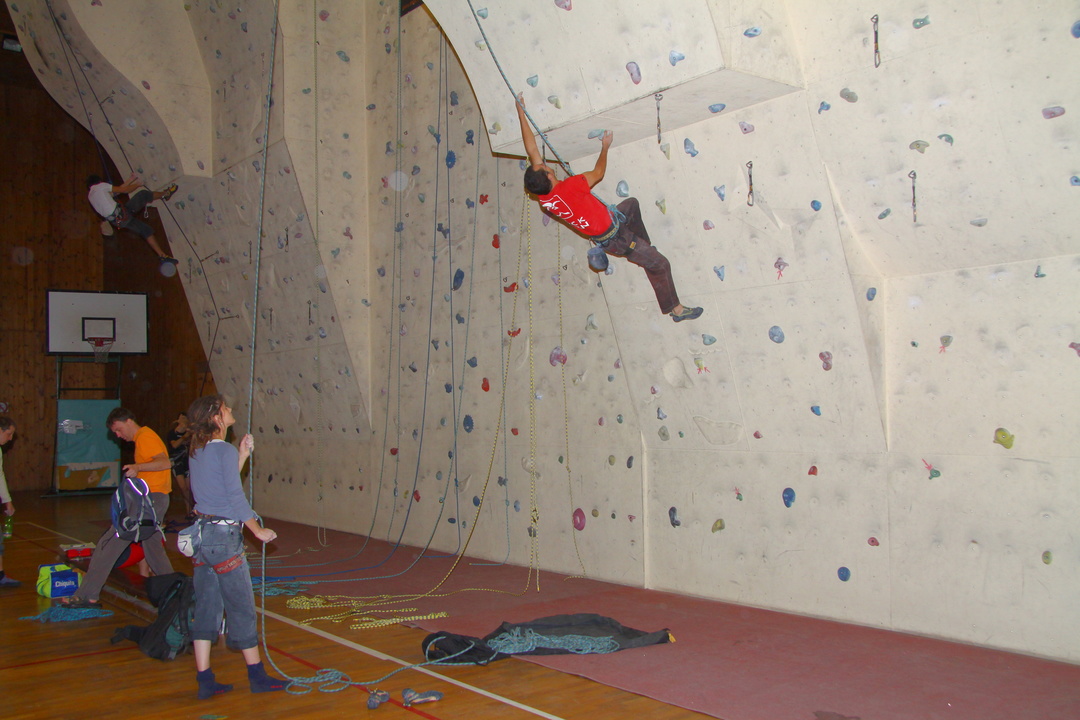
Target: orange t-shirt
147 445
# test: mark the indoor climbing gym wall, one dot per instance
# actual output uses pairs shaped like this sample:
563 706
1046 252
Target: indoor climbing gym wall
872 421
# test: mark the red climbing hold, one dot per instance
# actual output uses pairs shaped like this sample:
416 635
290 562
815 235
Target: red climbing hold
812 470
483 199
485 385
514 431
393 451
495 241
513 333
416 495
510 288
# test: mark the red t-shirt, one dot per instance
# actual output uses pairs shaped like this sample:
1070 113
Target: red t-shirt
572 201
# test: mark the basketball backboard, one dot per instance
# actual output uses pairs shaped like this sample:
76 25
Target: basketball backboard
73 317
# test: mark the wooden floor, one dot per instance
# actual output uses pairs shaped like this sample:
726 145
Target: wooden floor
70 670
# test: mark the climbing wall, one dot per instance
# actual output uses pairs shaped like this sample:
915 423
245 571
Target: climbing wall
873 420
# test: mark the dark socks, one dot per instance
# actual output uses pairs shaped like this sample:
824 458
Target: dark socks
208 686
261 682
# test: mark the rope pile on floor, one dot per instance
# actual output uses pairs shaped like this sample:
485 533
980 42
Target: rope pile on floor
57 613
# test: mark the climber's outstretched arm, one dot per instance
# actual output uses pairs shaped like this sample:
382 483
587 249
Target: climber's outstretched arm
531 149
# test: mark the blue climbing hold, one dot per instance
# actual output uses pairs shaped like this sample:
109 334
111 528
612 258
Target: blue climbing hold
476 500
844 574
816 409
459 277
453 98
752 32
468 137
789 497
622 189
871 293
468 423
776 334
472 361
717 108
448 387
1074 181
719 270
451 159
688 146
674 57
533 80
721 191
815 205
596 134
673 517
823 107
708 339
1076 30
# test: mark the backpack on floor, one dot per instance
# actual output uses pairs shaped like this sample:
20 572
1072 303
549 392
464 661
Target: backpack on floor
170 633
451 649
133 514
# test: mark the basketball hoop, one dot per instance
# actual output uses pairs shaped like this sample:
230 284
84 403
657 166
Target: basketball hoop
101 346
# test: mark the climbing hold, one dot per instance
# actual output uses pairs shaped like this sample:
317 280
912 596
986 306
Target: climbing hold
979 222
476 501
579 519
1075 180
1004 438
946 341
342 56
596 513
1038 272
662 204
673 517
884 213
789 497
485 385
416 495
708 339
919 145
717 108
812 470
719 270
1052 112
815 205
776 334
666 149
872 542
482 13
718 525
554 100
780 266
622 189
635 72
611 460
664 434
598 261
564 4
922 22
746 127
844 574
849 95
471 361
533 80
630 462
674 57
816 409
459 277
946 137
1075 346
752 32
826 360
1047 557
688 148
595 134
451 159
823 107
557 356
512 287
757 434
660 414
871 293
721 191
708 225
468 423
1076 29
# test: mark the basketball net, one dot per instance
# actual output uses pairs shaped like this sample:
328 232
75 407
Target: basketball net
101 348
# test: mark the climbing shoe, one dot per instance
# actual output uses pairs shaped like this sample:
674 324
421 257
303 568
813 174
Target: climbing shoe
168 192
688 313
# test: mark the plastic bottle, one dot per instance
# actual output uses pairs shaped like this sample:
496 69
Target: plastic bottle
9 525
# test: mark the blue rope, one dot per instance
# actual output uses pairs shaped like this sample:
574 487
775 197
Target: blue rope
515 642
57 613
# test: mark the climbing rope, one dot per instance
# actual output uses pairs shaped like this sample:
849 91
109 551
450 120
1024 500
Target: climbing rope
515 641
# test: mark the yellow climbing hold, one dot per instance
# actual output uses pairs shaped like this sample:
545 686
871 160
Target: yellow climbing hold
1004 438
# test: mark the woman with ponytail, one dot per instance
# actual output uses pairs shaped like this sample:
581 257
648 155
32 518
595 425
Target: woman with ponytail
222 577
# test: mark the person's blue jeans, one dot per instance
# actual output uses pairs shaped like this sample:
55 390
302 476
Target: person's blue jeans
229 594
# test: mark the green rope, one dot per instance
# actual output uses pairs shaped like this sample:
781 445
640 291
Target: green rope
57 613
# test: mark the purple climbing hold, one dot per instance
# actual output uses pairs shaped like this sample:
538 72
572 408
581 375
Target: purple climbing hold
1052 112
746 128
557 356
635 71
579 519
564 4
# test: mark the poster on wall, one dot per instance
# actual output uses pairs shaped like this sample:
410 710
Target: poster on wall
87 456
